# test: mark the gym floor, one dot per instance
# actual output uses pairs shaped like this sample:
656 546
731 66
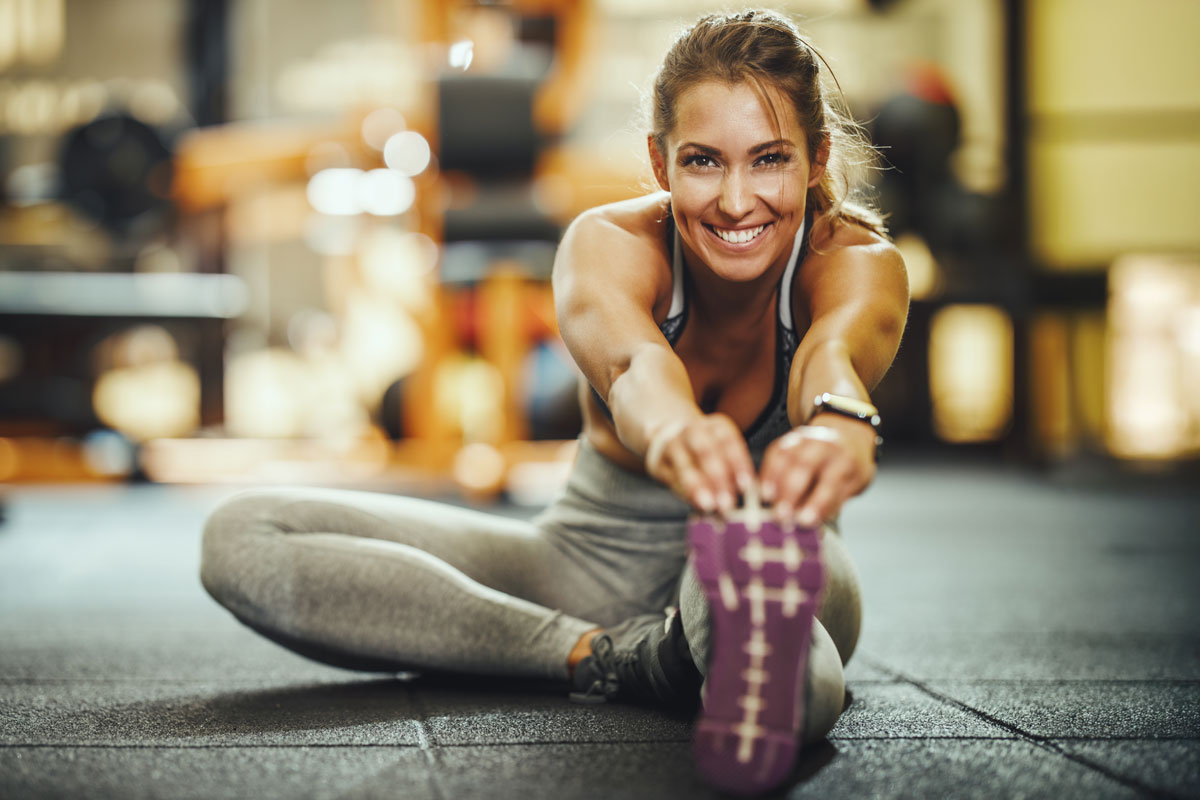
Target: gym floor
1027 635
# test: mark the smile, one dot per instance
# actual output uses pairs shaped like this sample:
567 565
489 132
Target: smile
741 236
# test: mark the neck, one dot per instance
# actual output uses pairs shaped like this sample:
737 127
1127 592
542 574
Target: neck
744 303
719 301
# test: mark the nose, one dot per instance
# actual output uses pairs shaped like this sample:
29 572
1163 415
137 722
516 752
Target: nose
736 199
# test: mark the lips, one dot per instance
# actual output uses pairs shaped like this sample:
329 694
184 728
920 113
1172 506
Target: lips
738 235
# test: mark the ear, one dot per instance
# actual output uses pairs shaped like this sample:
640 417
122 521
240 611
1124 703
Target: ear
816 169
659 163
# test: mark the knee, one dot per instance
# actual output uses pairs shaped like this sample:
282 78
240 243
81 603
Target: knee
227 534
826 687
841 608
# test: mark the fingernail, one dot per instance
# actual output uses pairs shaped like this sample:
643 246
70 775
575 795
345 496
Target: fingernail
744 480
784 513
725 501
808 518
704 499
768 492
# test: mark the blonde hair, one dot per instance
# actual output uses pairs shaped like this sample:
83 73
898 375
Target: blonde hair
767 50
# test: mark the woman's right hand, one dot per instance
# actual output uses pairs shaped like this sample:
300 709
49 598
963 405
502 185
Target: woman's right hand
704 460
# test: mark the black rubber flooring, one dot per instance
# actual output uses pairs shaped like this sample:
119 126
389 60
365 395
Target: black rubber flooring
1026 635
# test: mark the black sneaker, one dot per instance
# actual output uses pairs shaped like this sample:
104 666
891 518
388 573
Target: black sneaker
645 659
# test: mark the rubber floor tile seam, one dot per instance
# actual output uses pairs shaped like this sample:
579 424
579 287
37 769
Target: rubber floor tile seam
1044 742
206 746
429 752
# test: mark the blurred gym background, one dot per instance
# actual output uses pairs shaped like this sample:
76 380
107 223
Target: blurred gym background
251 241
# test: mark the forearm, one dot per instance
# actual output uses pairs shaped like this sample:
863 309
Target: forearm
827 457
652 394
827 367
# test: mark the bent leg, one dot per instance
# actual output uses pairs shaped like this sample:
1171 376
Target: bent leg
378 582
841 608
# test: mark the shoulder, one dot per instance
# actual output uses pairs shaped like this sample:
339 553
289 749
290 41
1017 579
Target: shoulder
843 246
847 261
637 219
620 245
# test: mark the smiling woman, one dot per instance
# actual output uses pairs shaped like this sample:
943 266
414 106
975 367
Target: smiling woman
736 167
730 327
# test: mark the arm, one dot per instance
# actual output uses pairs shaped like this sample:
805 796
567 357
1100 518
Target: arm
608 277
858 299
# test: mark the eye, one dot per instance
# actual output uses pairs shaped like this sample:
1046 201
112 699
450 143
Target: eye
773 159
697 160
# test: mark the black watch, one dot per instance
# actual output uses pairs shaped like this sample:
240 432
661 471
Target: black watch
850 407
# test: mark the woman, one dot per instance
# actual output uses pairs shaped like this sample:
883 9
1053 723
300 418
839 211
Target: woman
729 327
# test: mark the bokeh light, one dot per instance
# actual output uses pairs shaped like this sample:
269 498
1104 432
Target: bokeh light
379 343
461 54
264 394
109 454
149 400
479 468
407 152
1152 357
350 191
385 192
971 372
335 191
924 274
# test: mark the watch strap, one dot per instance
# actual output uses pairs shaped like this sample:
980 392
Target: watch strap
852 408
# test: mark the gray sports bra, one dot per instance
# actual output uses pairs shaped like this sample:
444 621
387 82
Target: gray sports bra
773 422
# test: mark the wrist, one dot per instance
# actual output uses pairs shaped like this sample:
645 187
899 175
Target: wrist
656 436
847 428
855 417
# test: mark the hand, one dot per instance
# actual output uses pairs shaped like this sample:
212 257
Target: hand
704 460
808 473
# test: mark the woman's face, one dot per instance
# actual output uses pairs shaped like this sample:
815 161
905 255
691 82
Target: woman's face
737 178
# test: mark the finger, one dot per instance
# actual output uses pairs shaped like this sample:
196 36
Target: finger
689 481
738 460
715 471
720 480
773 470
736 466
793 488
826 496
777 461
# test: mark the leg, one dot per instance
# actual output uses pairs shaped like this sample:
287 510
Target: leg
835 632
773 673
841 608
826 691
378 582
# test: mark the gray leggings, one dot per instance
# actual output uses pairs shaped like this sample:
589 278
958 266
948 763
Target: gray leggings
380 582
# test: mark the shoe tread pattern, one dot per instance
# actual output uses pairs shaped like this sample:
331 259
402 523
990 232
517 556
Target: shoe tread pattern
763 585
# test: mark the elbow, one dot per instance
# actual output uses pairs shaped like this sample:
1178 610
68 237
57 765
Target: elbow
622 373
617 379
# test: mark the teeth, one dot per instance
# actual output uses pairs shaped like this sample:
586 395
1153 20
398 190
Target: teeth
739 237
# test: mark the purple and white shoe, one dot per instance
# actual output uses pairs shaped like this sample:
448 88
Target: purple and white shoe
764 586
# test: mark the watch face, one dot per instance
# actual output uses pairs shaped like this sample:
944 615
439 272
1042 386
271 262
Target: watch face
859 408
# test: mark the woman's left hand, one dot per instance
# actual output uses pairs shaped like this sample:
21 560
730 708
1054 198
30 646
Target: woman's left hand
809 472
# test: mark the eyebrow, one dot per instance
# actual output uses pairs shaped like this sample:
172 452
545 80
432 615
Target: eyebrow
758 148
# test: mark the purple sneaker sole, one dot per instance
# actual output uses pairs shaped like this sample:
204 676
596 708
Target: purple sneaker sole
763 589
